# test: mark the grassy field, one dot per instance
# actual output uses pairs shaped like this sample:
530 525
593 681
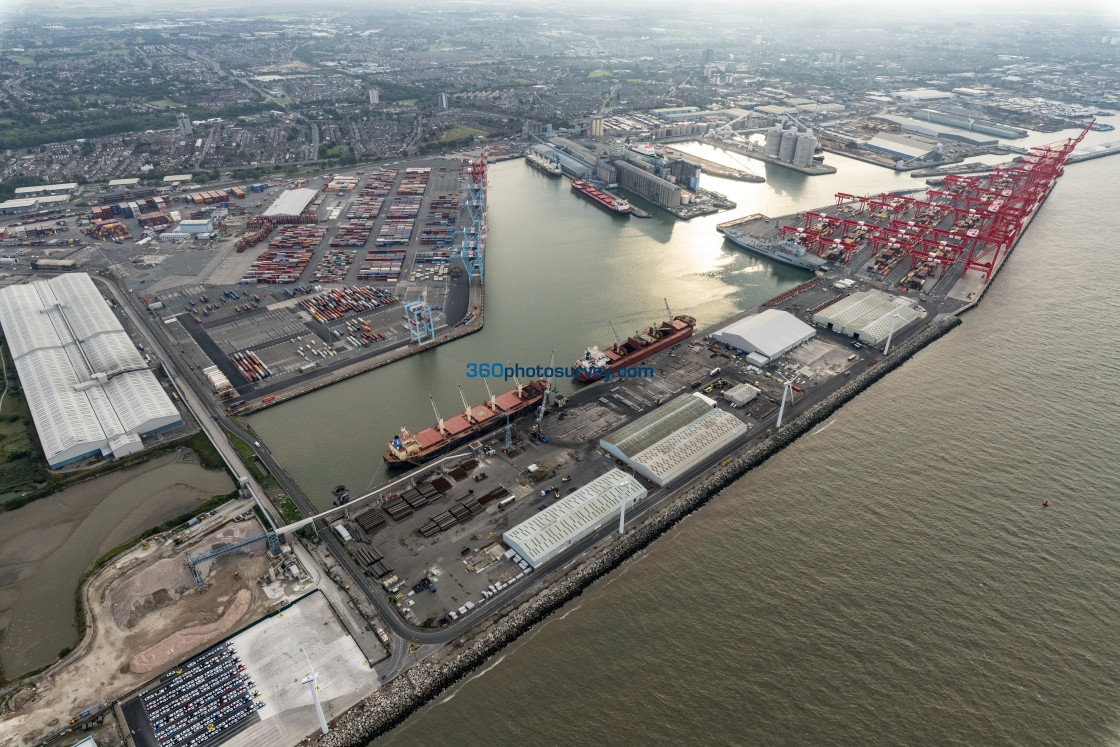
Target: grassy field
459 133
164 103
21 463
284 101
21 59
598 73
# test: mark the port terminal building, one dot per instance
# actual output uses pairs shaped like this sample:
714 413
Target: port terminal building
867 316
569 520
667 442
89 391
766 336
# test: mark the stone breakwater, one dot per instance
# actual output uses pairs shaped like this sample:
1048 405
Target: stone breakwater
394 702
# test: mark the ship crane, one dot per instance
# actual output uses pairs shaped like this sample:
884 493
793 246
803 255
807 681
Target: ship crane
617 344
466 407
667 311
547 389
515 379
491 401
439 420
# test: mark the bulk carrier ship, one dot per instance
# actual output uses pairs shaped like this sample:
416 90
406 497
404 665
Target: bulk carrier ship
414 449
595 362
607 201
542 164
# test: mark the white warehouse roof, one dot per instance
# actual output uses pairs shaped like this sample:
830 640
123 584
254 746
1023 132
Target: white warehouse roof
867 316
901 145
88 389
567 521
741 394
291 202
772 333
655 425
682 450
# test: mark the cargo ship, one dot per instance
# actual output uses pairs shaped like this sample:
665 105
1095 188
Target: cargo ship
595 362
607 201
408 450
787 251
542 164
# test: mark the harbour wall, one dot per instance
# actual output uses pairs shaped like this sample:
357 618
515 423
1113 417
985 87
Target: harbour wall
398 699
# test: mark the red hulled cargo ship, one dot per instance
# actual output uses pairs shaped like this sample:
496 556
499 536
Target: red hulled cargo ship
595 362
607 201
414 449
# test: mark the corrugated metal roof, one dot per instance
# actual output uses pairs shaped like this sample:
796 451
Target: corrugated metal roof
543 535
656 425
688 446
61 333
868 313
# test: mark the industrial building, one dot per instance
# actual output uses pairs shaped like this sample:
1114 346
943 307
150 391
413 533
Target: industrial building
667 442
968 123
569 520
922 94
741 394
766 336
177 178
867 316
684 448
659 191
45 189
906 147
291 202
124 183
89 391
195 226
640 434
19 206
675 114
941 132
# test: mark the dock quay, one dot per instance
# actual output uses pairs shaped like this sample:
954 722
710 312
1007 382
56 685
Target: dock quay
713 168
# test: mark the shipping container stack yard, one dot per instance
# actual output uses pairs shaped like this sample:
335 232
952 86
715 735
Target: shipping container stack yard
109 230
250 366
400 220
334 265
204 701
339 302
287 256
439 227
341 184
156 222
354 232
382 264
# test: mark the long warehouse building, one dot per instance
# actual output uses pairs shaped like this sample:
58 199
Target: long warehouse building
867 316
667 442
567 521
89 391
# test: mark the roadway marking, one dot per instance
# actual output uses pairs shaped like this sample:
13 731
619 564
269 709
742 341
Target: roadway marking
413 648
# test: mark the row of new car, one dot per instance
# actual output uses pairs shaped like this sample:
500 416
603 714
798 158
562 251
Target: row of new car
202 699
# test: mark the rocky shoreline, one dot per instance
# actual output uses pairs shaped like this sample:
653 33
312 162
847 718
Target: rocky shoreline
396 701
